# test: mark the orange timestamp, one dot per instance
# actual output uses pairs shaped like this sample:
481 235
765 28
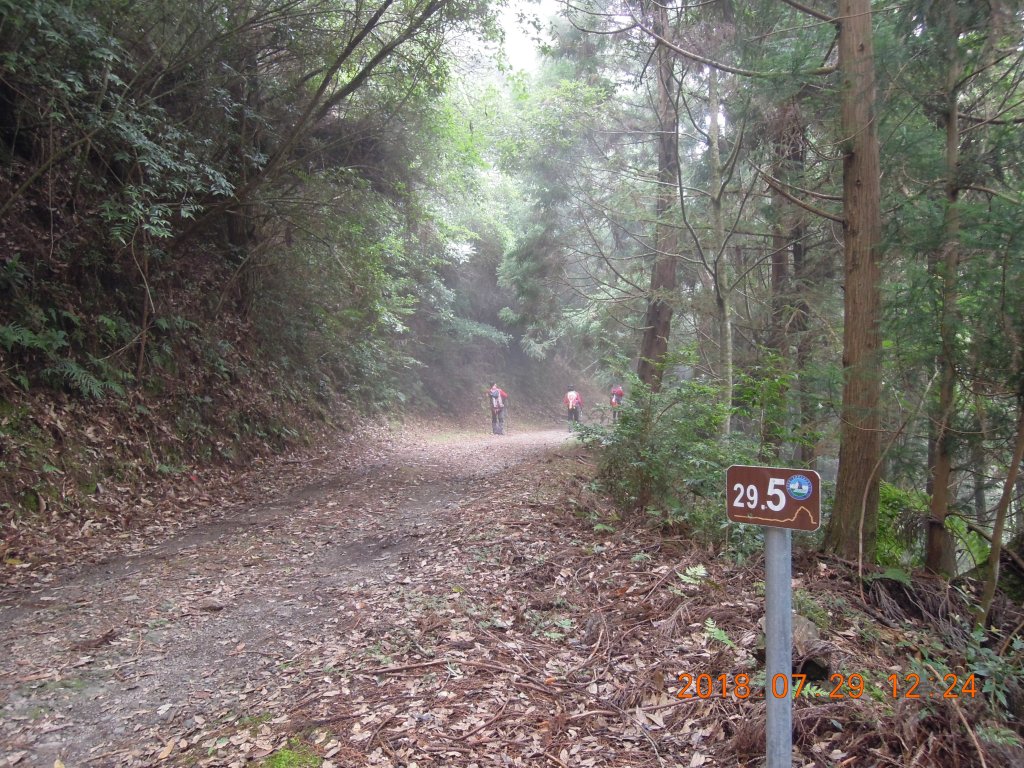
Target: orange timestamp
706 686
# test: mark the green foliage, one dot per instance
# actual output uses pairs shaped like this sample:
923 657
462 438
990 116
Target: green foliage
769 394
762 393
549 624
999 735
333 250
469 330
572 269
975 546
94 378
1002 673
900 514
49 341
892 574
295 755
714 632
666 454
83 78
805 604
71 375
694 575
998 677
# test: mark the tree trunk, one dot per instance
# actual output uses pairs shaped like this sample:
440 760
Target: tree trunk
658 322
978 466
940 552
852 527
147 303
723 274
806 455
788 308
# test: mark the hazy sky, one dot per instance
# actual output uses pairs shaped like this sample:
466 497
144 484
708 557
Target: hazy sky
519 43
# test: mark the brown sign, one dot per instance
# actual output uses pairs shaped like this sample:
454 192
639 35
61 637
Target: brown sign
781 498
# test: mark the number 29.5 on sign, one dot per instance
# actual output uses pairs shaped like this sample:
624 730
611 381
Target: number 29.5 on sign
774 496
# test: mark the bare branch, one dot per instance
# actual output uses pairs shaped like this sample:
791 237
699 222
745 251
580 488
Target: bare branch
821 15
993 193
690 55
798 202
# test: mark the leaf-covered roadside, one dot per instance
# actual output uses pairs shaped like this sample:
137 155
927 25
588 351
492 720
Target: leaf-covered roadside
82 483
526 639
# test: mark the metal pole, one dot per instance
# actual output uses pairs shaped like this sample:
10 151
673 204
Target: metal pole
778 646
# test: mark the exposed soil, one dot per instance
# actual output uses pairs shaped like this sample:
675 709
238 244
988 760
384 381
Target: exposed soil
439 599
109 663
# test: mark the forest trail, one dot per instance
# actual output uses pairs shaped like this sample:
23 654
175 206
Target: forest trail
437 599
126 662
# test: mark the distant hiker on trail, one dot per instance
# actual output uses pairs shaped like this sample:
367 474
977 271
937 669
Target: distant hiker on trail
574 405
498 400
616 400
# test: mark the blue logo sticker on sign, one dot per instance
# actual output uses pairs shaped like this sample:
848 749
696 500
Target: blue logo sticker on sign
799 487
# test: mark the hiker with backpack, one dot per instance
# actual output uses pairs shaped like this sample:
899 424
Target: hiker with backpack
616 400
498 400
573 401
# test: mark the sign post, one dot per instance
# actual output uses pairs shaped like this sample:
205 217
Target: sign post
778 648
781 500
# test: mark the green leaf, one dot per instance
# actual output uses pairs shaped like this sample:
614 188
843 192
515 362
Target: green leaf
694 575
892 574
713 631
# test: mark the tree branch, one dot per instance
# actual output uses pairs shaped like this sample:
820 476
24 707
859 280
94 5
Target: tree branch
725 67
820 15
796 201
993 192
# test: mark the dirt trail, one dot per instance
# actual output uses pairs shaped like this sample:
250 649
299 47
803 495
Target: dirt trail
133 661
437 600
444 600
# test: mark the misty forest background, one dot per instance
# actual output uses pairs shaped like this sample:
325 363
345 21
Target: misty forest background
792 230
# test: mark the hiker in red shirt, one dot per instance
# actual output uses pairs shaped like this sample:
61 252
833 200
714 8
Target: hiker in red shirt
498 400
574 406
616 400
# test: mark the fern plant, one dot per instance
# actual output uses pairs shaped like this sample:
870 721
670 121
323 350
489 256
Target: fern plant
16 335
47 341
713 632
694 575
72 375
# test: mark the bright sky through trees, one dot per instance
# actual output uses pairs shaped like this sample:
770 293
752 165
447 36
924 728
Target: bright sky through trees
517 20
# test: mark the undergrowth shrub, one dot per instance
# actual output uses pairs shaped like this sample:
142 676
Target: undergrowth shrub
666 456
901 532
900 514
